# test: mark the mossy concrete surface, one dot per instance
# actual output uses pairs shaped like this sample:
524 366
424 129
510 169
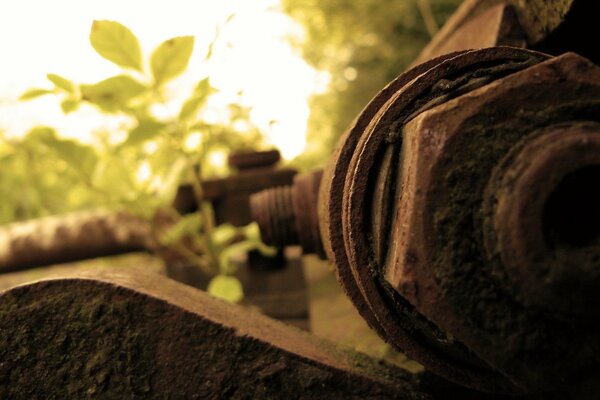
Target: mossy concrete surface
107 335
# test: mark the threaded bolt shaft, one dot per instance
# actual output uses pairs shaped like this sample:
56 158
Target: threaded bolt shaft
273 210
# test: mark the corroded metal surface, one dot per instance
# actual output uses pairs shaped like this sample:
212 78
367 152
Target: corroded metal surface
99 233
255 171
551 26
460 211
542 220
506 302
244 161
288 215
395 317
71 237
273 209
117 335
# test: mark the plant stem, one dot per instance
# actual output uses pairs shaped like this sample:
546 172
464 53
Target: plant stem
208 223
182 250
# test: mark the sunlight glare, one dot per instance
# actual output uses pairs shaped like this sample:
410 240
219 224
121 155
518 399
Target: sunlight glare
218 160
252 57
192 141
144 173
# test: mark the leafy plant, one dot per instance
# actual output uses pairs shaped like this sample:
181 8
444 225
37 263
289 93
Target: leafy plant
142 171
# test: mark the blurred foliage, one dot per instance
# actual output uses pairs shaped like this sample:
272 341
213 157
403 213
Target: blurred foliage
363 45
140 171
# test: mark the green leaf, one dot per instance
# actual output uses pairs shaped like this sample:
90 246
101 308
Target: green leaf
252 231
203 88
34 93
146 129
112 93
201 93
115 176
190 108
226 255
116 43
253 240
171 58
265 250
61 83
224 234
227 288
69 105
167 193
188 225
41 134
80 157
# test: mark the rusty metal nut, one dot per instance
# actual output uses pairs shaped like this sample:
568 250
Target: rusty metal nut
506 302
411 187
358 203
542 210
442 212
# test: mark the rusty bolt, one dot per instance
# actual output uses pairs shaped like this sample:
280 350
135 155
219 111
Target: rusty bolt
448 211
462 242
273 209
287 215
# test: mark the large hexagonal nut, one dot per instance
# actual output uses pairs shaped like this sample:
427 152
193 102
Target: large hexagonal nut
497 222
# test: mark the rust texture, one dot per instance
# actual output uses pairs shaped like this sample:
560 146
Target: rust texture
243 161
255 171
115 335
490 317
393 316
461 213
551 26
288 215
461 208
72 237
470 251
230 198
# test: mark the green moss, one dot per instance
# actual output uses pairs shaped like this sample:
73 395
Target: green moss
474 286
85 339
99 344
539 17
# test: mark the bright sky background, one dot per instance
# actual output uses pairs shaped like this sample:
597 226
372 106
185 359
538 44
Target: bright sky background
39 37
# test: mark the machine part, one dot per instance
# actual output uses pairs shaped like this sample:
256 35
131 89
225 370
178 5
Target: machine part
442 211
349 203
552 26
454 255
243 161
71 237
132 335
288 215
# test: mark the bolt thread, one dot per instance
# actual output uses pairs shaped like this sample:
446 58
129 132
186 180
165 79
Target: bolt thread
273 210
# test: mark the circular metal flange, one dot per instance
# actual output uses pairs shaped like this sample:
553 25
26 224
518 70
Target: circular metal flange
363 164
